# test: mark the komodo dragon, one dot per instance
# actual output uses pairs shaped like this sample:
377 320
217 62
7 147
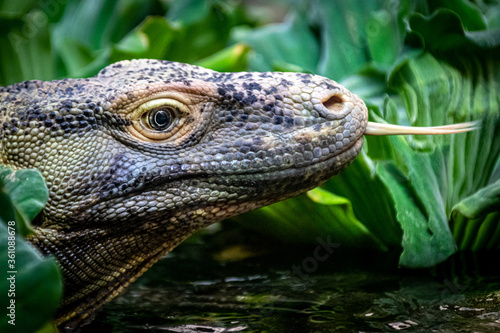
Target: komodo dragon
147 152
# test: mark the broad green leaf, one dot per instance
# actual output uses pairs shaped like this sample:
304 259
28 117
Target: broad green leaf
151 39
475 221
75 56
49 327
26 191
19 8
444 31
231 59
26 52
423 81
469 13
37 288
385 33
189 12
370 199
421 211
324 197
23 194
482 233
208 34
343 28
429 92
491 12
454 167
369 86
288 43
435 93
105 22
312 215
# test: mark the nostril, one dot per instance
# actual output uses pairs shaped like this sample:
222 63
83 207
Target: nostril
334 103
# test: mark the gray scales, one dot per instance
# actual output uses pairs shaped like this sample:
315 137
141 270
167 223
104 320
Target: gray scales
147 152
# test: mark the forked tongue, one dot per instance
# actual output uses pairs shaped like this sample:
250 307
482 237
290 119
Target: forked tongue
388 129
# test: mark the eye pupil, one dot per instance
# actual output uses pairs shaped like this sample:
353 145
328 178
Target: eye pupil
160 119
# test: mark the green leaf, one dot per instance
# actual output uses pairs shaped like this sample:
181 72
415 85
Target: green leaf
75 56
231 59
188 12
343 26
208 34
31 282
151 39
445 31
435 93
312 215
427 239
455 166
16 8
324 197
26 52
385 33
469 13
476 233
27 192
105 22
285 43
428 92
371 201
475 221
49 327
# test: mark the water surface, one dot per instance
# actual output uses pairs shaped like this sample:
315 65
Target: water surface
288 291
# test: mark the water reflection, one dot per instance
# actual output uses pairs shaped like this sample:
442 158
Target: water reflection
348 293
207 329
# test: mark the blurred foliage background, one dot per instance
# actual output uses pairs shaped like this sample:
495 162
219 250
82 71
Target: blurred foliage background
419 63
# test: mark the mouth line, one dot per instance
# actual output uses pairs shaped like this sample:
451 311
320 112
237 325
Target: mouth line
301 179
293 170
163 178
292 167
252 178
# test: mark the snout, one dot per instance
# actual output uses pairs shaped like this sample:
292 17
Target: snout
340 103
342 115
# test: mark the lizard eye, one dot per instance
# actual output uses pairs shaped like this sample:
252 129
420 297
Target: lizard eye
158 119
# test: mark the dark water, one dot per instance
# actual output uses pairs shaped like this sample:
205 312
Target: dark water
189 291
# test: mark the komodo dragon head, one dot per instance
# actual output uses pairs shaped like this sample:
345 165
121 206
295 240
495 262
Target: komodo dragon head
147 152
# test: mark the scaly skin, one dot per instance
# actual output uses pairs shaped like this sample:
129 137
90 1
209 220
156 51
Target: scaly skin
121 196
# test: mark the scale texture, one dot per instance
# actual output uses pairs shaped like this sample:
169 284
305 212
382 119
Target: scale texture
147 152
